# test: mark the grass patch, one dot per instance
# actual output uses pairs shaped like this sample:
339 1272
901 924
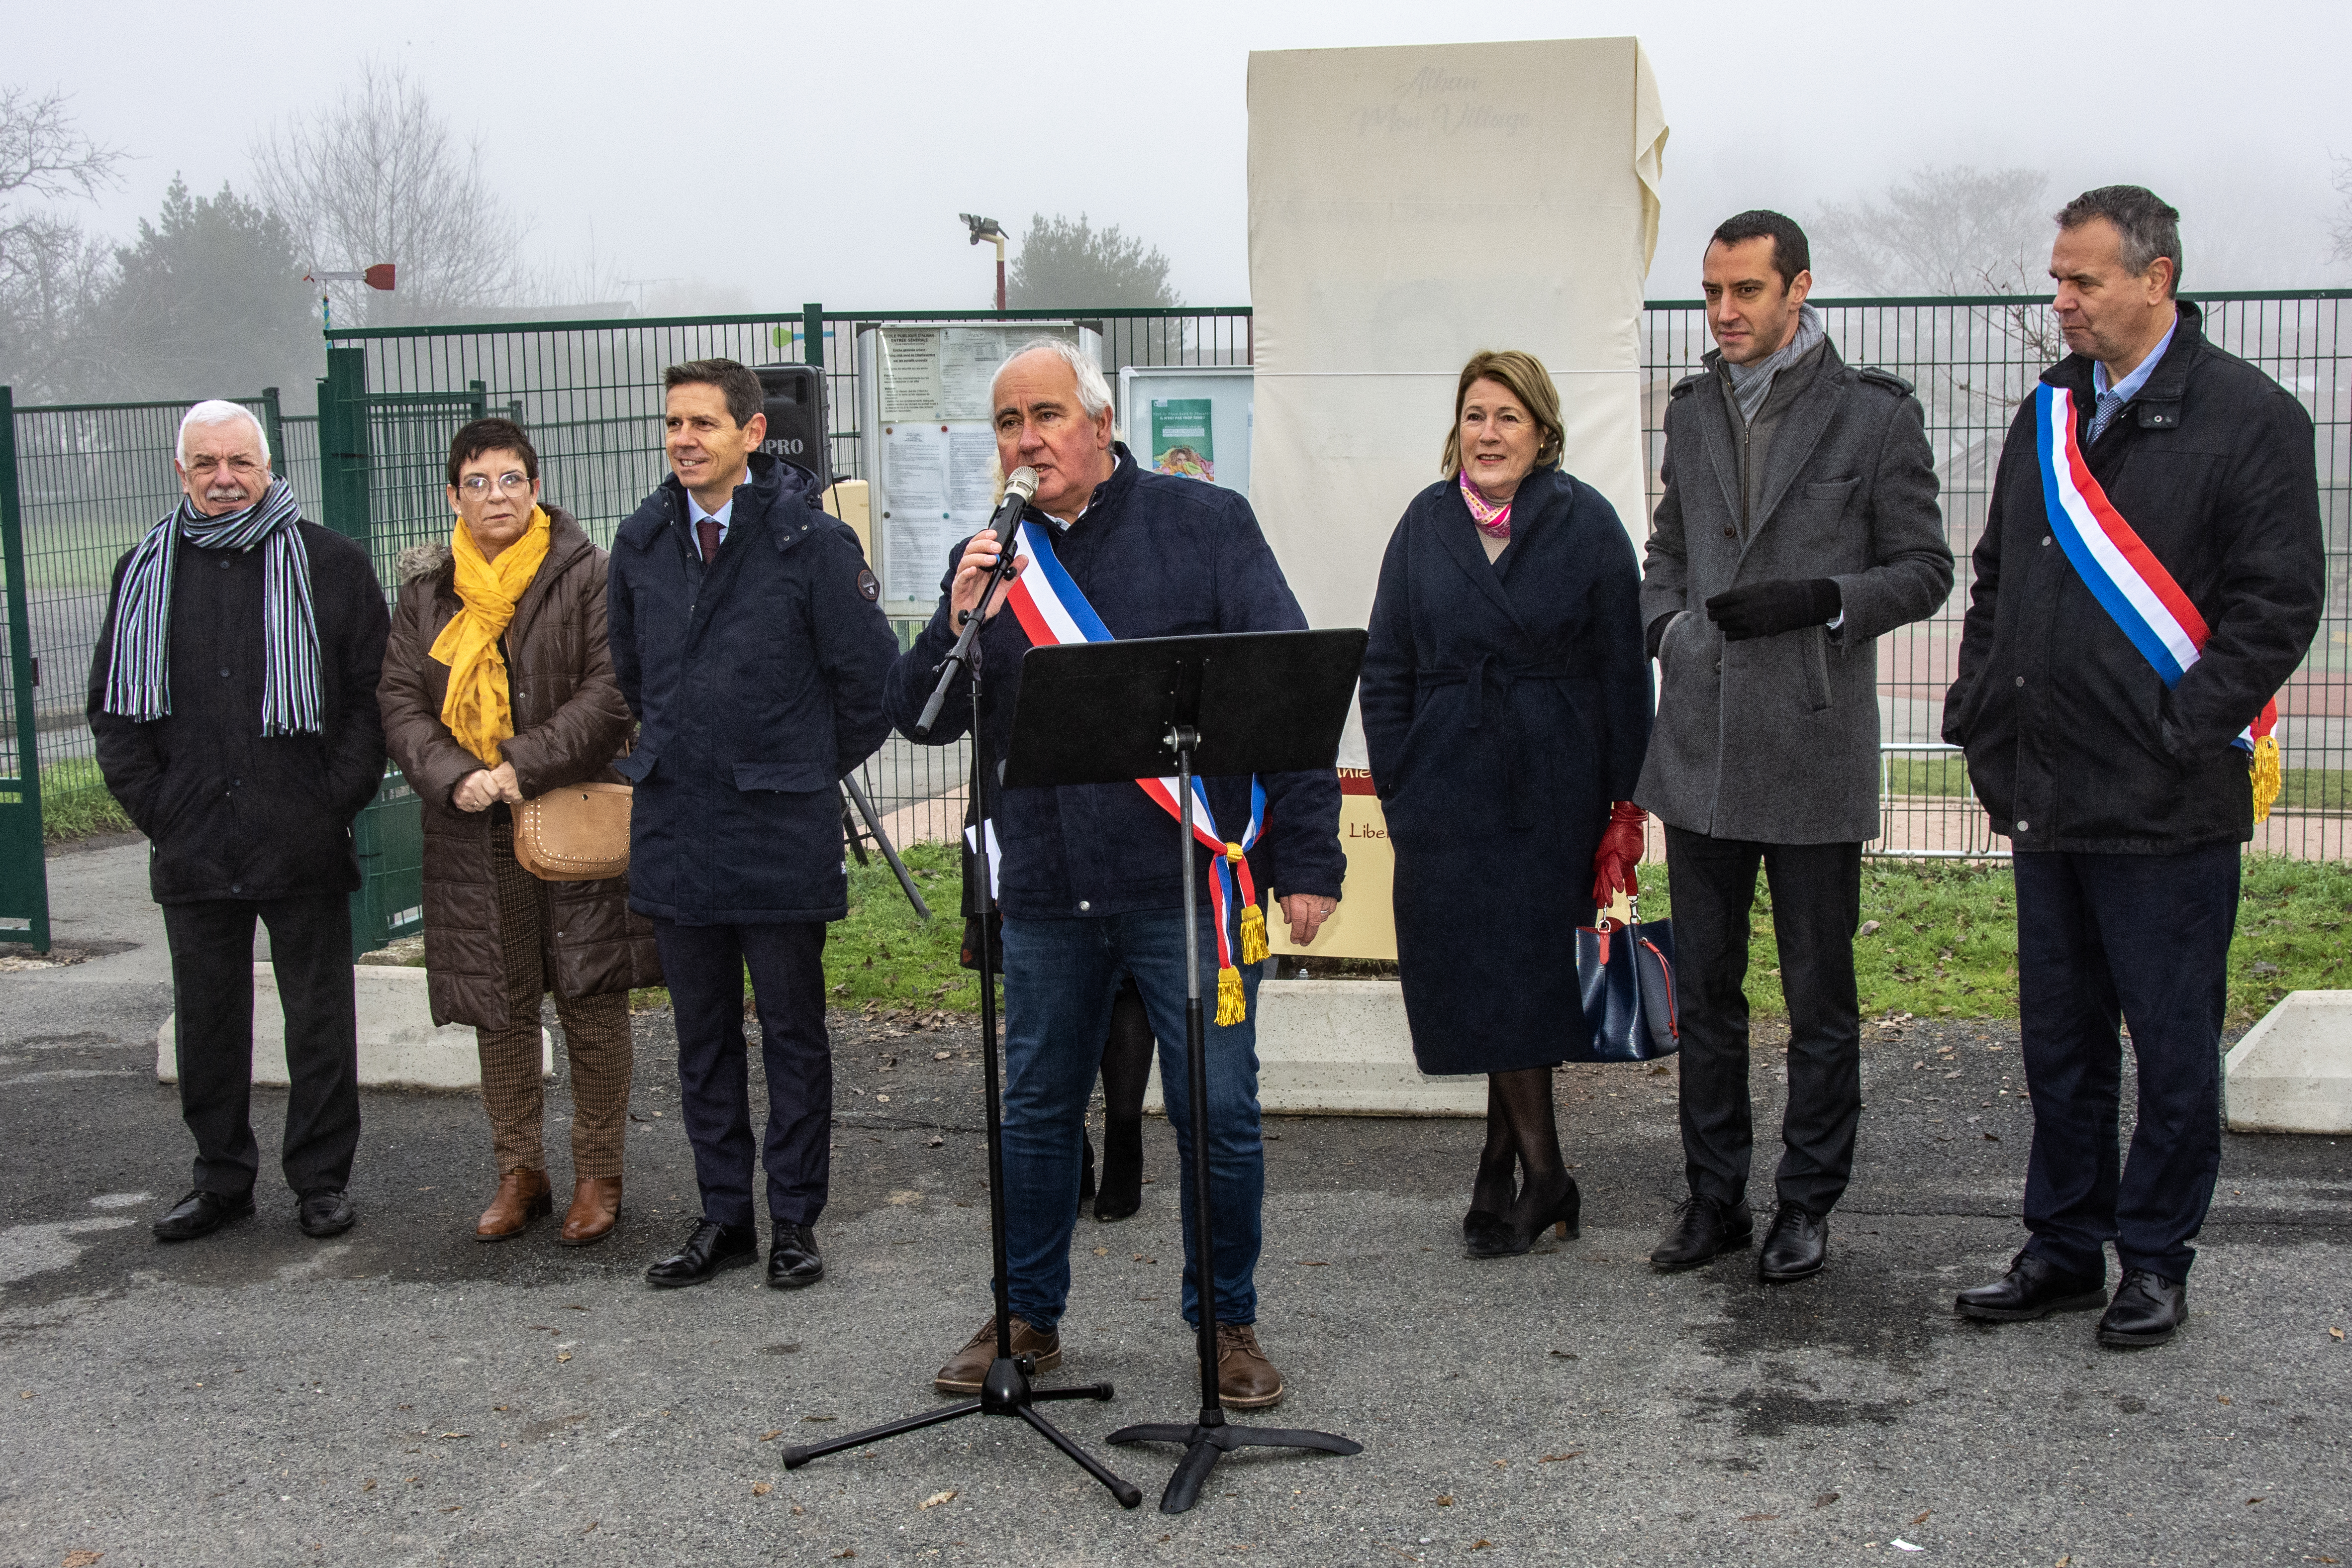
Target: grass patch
1947 774
884 954
75 802
1939 937
1935 772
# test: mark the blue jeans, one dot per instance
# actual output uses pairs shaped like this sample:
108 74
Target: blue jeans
1060 977
2143 940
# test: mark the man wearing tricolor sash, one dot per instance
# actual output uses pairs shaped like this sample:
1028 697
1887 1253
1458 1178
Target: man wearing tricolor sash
1090 881
2150 576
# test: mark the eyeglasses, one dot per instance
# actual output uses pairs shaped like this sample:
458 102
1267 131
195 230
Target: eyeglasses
477 484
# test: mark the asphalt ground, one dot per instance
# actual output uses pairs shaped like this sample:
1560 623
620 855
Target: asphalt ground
403 1394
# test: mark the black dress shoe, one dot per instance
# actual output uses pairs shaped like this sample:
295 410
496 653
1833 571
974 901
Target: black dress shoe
324 1212
793 1261
1704 1229
201 1213
2146 1309
713 1247
2033 1288
1798 1245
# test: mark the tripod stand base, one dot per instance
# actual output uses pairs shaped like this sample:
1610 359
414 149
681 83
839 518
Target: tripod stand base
1006 1391
1206 1442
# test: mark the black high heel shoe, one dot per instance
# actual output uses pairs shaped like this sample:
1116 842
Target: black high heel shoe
1529 1219
1484 1234
1121 1192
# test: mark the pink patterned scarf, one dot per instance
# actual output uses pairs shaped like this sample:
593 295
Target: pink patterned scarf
1493 520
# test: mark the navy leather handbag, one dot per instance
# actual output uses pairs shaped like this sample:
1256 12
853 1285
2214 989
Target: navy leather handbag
1625 975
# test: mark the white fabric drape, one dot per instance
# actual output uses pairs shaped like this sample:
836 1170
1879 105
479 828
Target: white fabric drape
1409 207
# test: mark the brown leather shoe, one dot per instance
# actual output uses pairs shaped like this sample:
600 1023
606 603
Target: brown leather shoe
969 1367
596 1209
522 1196
1246 1379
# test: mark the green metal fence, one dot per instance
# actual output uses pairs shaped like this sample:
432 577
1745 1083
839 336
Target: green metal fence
1972 361
370 465
591 393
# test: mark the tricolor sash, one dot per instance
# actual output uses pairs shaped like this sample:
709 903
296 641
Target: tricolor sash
2129 583
1051 609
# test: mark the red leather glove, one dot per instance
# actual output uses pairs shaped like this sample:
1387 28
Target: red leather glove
1619 853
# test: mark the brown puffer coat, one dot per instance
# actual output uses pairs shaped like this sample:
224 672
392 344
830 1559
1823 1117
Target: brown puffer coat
570 724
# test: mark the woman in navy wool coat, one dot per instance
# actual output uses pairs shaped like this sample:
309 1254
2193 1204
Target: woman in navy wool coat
1507 706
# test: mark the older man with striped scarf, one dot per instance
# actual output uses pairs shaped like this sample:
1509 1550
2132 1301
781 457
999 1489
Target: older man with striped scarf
233 696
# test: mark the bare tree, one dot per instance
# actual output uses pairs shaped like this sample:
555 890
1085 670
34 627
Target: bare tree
381 177
1942 230
50 271
2340 231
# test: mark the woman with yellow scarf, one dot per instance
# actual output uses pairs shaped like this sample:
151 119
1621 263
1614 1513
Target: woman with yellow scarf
498 685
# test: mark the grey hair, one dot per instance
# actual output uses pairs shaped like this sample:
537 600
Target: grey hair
215 411
2149 225
1094 391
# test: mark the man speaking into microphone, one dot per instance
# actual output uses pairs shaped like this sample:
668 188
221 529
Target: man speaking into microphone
1088 879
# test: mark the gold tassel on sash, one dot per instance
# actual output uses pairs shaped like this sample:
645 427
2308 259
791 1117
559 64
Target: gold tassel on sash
2266 776
1232 1005
1253 924
1254 944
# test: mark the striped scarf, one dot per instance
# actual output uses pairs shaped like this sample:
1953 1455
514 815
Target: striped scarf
138 678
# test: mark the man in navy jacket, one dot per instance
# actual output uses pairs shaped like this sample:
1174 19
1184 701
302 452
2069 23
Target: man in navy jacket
749 643
2125 796
1091 884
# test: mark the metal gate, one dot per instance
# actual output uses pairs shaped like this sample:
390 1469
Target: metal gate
380 475
24 872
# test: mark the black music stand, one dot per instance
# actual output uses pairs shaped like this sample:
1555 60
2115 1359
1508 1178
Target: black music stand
1006 1389
1243 704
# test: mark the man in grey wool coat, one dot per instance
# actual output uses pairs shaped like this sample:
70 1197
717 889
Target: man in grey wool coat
1798 523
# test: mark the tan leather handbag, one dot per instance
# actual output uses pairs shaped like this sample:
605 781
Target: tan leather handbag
579 833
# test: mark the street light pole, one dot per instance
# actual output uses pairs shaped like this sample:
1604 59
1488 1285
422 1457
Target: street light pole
986 228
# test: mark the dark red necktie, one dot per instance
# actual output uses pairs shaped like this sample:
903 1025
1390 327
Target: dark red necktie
706 534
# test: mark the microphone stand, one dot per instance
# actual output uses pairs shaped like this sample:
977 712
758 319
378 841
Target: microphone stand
1006 1390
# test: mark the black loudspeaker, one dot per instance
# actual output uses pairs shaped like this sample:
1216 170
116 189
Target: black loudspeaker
795 404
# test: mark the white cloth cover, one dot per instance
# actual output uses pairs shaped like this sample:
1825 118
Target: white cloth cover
1408 207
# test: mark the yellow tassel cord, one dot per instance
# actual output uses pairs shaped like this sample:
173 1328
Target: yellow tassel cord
1254 947
1232 1006
2266 776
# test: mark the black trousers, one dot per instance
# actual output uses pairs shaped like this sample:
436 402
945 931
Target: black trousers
2143 939
1816 905
704 966
212 998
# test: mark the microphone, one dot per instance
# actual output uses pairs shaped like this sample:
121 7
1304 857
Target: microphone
1019 486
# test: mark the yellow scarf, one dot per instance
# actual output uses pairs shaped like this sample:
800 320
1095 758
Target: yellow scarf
479 709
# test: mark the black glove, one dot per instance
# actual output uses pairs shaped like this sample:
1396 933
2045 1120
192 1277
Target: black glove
1766 609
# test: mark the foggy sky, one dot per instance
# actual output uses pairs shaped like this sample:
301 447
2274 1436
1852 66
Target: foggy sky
786 153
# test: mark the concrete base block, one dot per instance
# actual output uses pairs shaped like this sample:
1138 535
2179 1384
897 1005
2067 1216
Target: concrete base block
2293 1071
1340 1047
399 1046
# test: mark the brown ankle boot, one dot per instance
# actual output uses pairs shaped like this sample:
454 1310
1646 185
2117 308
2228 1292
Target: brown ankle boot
522 1198
969 1369
1246 1379
596 1209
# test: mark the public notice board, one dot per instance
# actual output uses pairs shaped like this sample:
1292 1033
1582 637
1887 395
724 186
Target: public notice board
930 445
